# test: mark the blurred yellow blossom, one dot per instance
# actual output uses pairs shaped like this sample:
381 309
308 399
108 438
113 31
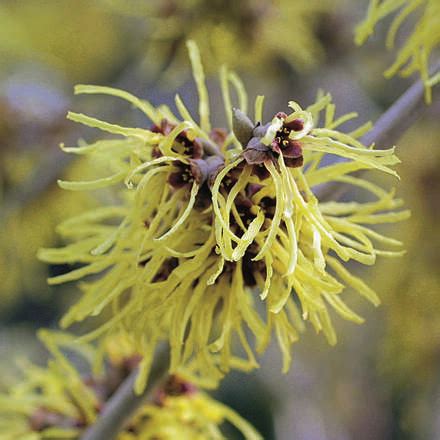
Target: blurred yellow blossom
415 53
60 401
248 34
43 31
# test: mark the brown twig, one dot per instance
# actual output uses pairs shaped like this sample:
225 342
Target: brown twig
388 128
124 402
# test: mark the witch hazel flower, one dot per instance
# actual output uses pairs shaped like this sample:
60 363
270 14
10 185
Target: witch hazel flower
218 241
63 399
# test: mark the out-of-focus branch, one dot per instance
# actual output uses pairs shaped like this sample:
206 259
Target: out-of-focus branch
124 402
400 116
388 128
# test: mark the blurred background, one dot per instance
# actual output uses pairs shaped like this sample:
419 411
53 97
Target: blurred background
382 380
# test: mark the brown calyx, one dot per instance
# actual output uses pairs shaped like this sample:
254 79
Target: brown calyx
204 158
103 387
182 176
282 144
183 145
244 206
198 170
174 386
258 154
218 135
115 373
249 267
43 418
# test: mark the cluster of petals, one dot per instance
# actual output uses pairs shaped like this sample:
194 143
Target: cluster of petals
218 239
61 400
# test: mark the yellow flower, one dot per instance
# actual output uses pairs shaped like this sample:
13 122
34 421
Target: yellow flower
57 401
51 402
181 411
208 215
267 212
414 55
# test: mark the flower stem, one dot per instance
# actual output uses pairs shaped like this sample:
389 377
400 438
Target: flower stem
124 402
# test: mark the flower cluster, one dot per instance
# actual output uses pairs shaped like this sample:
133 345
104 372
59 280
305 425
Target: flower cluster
219 233
415 53
57 401
60 402
181 411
